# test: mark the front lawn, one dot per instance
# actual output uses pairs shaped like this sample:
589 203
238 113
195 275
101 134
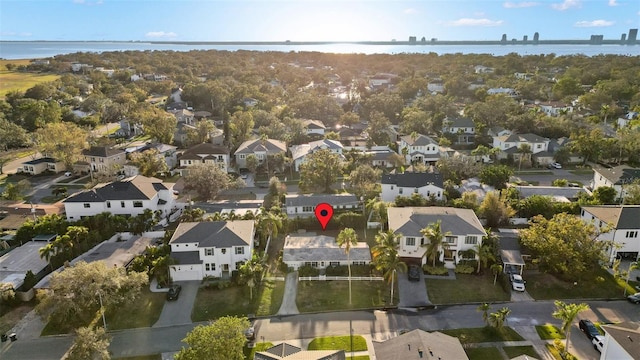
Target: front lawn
549 332
316 296
346 343
484 334
598 284
10 316
483 353
146 308
212 303
514 351
466 288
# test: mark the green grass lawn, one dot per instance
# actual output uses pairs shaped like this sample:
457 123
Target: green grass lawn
549 332
554 352
212 303
21 81
484 334
598 284
514 351
466 288
334 295
483 353
346 343
147 309
249 353
581 172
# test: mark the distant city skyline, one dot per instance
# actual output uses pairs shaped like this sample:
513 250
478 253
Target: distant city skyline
314 20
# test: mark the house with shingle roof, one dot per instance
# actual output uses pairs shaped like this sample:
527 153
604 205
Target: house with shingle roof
261 148
621 341
314 127
404 184
101 159
510 143
321 251
284 351
419 344
463 128
616 177
304 205
210 248
38 166
419 148
205 153
299 153
624 223
465 230
129 197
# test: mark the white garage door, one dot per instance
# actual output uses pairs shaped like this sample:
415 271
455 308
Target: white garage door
185 275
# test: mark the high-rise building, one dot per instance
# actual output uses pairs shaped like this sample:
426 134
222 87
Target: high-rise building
633 34
504 38
623 38
524 38
536 37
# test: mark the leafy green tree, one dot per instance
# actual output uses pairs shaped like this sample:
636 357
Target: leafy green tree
192 215
15 191
62 141
11 136
377 129
320 170
90 344
436 236
206 180
252 162
537 205
347 238
457 168
415 119
495 210
485 254
268 223
240 125
364 181
201 133
567 313
567 86
560 183
496 269
632 192
149 162
222 339
496 175
605 195
565 245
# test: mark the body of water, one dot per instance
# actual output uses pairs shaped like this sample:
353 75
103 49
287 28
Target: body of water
34 49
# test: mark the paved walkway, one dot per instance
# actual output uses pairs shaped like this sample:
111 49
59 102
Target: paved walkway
179 312
289 306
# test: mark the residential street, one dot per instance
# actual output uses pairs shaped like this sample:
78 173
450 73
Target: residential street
379 324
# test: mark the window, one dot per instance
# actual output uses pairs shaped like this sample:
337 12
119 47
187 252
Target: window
307 209
632 234
87 205
208 251
411 241
210 267
224 251
239 250
415 190
539 146
399 190
391 187
334 263
137 204
450 239
239 264
471 240
450 255
121 203
109 204
241 156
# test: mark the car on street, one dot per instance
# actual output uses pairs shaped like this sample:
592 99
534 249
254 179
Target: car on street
174 292
555 165
68 173
635 298
517 283
414 273
598 342
588 328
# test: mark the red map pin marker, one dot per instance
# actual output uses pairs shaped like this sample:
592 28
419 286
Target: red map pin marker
324 212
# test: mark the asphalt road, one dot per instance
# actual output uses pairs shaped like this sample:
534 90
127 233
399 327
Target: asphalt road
156 340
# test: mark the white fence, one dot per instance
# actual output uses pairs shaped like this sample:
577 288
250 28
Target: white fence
325 278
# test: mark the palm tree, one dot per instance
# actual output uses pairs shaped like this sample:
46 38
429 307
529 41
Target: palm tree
525 151
496 269
498 318
434 233
47 252
249 270
484 309
347 238
268 223
385 256
567 313
484 253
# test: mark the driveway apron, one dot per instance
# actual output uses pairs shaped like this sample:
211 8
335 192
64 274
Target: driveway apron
289 306
178 312
412 293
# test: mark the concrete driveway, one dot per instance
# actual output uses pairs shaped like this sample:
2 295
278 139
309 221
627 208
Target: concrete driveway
412 294
289 306
520 296
178 312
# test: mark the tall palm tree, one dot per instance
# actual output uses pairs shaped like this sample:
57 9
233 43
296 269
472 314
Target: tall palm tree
250 271
484 253
498 318
434 233
47 252
484 309
347 238
385 256
567 313
496 269
525 152
268 223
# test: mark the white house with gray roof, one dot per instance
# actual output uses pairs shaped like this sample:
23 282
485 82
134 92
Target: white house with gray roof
314 127
305 205
463 128
211 248
625 228
299 153
404 184
419 149
129 197
509 144
465 230
320 251
260 148
616 177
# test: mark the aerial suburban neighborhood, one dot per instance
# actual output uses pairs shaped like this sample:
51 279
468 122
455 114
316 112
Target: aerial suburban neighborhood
482 207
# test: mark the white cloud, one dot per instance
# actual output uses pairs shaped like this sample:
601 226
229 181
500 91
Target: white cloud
567 4
474 22
594 23
160 34
613 3
410 11
517 5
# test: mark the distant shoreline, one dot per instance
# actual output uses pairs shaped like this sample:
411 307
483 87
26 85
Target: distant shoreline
307 43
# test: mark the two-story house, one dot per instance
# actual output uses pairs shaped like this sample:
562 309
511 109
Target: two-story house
299 153
101 159
183 116
464 232
621 341
624 223
616 177
463 128
404 184
419 149
509 144
128 197
205 153
210 248
261 148
304 205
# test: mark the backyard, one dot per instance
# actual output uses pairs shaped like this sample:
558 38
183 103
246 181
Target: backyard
316 296
466 288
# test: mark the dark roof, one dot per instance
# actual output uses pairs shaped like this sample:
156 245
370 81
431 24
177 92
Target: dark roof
134 188
283 350
413 180
40 161
421 140
186 257
532 138
460 122
619 175
627 335
313 200
409 345
410 220
220 234
102 151
620 217
206 148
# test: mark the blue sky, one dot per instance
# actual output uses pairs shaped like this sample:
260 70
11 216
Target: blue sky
313 20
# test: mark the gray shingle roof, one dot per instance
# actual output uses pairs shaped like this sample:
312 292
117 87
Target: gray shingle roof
269 146
406 347
41 160
421 140
619 174
460 122
620 217
413 180
321 248
206 148
102 151
220 234
410 220
313 200
532 138
133 188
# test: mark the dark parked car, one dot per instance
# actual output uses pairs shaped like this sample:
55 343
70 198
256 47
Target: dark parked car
414 273
635 298
174 292
588 328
